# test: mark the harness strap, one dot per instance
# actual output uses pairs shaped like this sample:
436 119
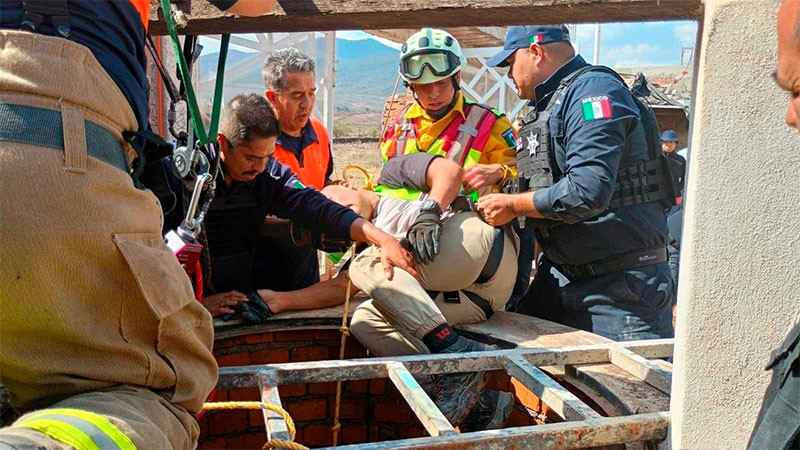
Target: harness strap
467 132
35 11
191 100
494 259
453 297
406 128
481 303
489 270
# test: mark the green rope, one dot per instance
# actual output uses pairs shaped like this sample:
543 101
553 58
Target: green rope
191 99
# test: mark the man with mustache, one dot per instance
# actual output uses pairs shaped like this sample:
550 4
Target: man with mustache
251 185
584 149
304 146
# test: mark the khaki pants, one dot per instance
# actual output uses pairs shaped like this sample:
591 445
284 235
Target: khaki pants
401 312
90 297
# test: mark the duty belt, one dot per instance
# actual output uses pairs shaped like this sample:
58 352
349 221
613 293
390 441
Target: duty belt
488 271
40 126
612 264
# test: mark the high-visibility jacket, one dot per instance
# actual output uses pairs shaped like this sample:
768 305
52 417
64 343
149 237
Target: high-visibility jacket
143 8
471 133
313 165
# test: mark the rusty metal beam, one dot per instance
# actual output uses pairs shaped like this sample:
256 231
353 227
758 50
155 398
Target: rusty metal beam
276 426
359 369
566 435
327 15
426 411
555 396
643 369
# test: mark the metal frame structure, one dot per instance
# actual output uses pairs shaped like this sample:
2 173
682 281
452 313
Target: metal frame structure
583 426
501 93
268 42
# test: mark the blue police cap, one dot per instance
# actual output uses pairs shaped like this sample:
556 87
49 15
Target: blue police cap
669 136
522 37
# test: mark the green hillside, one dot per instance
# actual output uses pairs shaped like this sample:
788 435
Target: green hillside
366 71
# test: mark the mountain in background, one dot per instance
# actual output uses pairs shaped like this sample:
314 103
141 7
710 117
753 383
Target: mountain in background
366 71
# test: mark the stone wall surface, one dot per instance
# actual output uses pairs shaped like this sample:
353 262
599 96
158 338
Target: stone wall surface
739 287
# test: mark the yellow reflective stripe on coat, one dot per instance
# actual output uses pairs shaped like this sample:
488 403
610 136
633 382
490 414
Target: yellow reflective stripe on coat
401 193
473 156
81 429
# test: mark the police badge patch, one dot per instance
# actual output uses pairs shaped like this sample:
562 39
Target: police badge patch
533 143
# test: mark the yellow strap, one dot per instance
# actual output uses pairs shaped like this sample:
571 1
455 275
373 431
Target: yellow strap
103 424
62 432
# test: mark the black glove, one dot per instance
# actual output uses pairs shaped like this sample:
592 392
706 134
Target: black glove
254 311
425 234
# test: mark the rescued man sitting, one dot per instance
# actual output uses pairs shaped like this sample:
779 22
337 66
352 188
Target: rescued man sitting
251 185
467 271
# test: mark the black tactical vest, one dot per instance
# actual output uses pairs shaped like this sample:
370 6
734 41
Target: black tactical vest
645 182
232 226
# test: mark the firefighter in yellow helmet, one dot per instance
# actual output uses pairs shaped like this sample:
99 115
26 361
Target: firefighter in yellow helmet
407 316
442 121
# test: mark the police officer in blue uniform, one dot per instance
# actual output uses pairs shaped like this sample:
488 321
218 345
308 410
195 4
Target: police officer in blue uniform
583 158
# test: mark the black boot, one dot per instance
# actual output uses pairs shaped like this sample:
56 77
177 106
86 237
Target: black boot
490 412
459 392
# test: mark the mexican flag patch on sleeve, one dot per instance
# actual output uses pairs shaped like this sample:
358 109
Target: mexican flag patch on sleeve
596 108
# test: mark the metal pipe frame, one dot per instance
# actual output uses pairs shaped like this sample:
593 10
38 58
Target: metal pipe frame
583 427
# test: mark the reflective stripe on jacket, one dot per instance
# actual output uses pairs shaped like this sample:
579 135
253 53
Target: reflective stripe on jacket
469 134
83 430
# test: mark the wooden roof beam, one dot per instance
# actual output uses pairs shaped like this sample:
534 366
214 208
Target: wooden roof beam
327 15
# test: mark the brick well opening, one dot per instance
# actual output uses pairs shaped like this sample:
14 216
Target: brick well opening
371 410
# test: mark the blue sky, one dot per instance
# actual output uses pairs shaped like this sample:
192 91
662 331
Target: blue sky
621 44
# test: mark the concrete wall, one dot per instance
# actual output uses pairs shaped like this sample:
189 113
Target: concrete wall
740 264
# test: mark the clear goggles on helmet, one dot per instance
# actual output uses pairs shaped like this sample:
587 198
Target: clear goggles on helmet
439 62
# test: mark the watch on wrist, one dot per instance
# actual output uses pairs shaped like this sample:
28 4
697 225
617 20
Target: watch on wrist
431 205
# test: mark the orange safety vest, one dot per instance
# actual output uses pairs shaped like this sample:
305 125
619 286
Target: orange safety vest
316 158
143 7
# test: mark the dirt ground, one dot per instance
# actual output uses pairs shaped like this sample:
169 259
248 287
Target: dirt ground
365 154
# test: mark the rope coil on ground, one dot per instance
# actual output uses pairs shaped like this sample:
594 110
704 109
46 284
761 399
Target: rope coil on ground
272 443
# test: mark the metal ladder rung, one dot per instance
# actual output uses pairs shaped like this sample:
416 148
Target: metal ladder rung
584 427
642 368
584 434
426 411
275 425
552 394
